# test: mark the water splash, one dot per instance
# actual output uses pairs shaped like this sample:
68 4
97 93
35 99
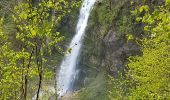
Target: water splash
67 72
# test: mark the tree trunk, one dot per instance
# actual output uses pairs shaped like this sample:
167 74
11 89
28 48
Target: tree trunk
110 4
26 76
39 66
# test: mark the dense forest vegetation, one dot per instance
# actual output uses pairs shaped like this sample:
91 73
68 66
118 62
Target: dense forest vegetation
131 59
28 36
147 75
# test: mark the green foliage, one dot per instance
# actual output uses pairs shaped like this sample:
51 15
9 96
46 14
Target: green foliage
118 88
150 72
130 37
36 37
147 76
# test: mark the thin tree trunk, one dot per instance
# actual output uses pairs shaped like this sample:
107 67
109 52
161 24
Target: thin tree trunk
26 76
39 66
110 4
22 87
40 82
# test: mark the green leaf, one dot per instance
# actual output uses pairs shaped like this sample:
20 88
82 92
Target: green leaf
23 15
33 32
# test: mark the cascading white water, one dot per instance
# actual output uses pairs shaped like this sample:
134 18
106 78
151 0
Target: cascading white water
67 72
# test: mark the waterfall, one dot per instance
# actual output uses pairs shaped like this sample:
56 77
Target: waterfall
67 72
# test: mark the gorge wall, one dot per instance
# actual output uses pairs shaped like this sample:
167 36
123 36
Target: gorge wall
105 48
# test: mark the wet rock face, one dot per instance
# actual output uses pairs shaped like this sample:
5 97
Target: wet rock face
109 52
112 42
116 51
